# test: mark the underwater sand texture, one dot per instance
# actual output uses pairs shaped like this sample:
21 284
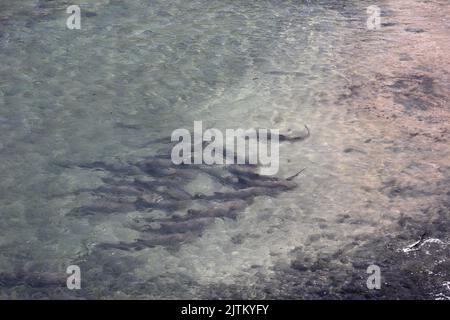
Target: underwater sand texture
86 117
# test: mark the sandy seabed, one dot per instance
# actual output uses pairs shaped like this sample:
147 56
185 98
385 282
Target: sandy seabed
83 122
400 92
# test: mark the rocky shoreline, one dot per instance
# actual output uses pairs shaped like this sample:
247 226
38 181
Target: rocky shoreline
401 94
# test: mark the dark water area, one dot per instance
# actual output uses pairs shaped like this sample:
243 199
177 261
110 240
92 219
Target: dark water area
86 179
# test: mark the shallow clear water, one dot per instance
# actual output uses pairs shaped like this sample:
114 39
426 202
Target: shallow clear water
136 71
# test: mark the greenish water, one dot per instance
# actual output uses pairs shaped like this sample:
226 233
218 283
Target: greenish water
136 71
